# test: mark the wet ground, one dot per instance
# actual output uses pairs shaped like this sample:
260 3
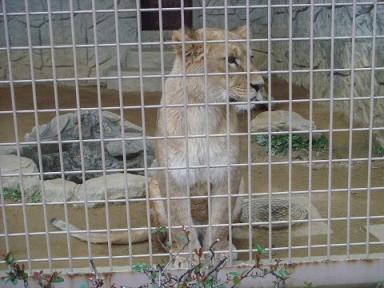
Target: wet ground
34 219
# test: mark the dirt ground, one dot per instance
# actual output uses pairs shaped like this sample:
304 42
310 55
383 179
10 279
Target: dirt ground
56 246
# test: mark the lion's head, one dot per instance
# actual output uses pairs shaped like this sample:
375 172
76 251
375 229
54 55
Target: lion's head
218 57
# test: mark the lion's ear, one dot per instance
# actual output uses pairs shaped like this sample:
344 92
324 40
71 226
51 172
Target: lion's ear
191 49
241 31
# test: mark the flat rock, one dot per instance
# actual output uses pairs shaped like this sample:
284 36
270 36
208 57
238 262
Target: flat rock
57 191
11 164
280 122
114 185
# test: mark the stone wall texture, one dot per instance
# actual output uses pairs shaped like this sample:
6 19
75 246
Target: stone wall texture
128 32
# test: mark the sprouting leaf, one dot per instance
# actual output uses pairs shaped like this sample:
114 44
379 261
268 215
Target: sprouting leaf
260 249
282 273
9 258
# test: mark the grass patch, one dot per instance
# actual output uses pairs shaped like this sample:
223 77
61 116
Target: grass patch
14 195
379 151
280 143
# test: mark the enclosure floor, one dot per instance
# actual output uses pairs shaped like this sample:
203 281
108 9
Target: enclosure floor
78 251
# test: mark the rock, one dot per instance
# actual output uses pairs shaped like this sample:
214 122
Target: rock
280 122
8 150
114 184
56 191
90 127
9 164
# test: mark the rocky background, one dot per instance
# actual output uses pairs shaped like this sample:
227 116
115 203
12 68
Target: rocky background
127 23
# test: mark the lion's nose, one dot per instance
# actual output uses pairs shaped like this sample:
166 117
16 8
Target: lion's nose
257 87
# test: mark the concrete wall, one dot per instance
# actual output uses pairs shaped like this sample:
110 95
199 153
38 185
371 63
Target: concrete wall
236 17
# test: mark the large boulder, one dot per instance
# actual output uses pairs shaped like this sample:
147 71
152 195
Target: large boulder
11 166
68 127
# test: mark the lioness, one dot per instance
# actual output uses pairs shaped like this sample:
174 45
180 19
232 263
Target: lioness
187 151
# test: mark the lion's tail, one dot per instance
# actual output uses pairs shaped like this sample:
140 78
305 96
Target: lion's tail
116 237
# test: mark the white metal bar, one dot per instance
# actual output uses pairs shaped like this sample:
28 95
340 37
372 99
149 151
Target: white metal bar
16 130
227 129
350 136
249 146
290 60
165 121
184 74
36 119
269 133
197 8
59 140
138 15
121 103
97 68
78 112
151 43
330 141
311 32
301 71
371 115
207 132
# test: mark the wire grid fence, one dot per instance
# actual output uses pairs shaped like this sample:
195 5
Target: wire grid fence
129 254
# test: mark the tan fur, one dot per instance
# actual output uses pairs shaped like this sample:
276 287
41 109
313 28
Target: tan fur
197 121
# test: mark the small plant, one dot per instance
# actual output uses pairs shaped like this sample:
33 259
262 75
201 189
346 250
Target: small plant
17 272
280 143
14 195
379 151
204 273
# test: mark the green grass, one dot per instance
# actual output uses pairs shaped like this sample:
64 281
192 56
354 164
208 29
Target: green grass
280 143
14 195
379 151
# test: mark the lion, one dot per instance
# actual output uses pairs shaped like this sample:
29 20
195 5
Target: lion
193 149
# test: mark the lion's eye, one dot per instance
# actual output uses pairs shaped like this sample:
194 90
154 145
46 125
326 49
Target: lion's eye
232 60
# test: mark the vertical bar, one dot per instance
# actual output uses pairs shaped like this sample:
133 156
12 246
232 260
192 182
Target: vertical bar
56 100
205 49
142 102
249 155
371 115
78 112
310 128
165 120
186 115
330 140
290 134
36 118
97 68
227 132
121 104
269 131
350 138
16 129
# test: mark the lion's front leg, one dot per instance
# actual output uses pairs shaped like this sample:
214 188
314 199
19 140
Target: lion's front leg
220 209
180 217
